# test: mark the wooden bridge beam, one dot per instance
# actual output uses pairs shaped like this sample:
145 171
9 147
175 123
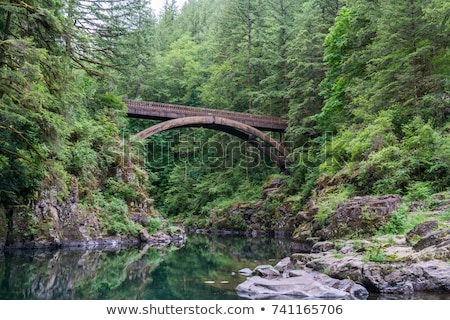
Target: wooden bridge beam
164 111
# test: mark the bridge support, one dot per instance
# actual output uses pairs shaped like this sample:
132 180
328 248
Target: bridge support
238 129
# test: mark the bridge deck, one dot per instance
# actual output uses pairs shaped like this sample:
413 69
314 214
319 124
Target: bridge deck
165 111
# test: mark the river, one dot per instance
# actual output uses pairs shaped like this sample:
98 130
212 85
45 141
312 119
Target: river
205 268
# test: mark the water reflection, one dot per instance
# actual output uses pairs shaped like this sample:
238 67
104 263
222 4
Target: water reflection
205 268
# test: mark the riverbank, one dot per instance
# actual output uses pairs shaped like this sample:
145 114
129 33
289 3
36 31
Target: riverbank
52 222
353 269
387 244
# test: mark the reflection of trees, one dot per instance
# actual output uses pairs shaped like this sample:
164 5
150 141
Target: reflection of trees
121 275
212 259
72 274
136 273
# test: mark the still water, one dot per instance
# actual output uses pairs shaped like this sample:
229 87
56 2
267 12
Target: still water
206 267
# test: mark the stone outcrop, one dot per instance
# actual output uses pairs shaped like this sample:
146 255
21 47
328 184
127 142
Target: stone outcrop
283 282
437 238
421 230
401 269
53 222
349 269
359 215
160 239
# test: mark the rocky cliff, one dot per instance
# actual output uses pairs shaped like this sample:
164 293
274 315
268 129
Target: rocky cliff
49 221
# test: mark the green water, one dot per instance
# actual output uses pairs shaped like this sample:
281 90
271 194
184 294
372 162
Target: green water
206 267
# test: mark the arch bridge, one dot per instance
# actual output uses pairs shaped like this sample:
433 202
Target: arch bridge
246 126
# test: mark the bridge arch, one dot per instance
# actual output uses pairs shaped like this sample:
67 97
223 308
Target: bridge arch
236 128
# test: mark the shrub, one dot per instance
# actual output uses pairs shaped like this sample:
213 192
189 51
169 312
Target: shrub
328 203
153 225
445 216
398 222
375 253
112 214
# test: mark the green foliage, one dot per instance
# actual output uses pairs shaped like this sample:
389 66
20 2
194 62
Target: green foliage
122 190
398 222
376 160
375 253
364 86
153 225
56 126
113 215
445 216
238 222
420 190
328 203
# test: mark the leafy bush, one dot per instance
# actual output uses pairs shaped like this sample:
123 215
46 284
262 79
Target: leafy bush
445 216
379 161
153 225
398 222
375 253
420 190
112 214
328 202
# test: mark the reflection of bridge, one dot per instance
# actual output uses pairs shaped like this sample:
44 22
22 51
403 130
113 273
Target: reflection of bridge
245 126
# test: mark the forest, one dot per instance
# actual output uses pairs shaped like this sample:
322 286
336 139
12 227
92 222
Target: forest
363 84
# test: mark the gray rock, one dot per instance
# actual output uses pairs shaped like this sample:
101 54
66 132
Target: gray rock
246 272
339 268
409 274
432 239
359 215
143 235
303 246
425 276
347 249
266 271
421 230
433 275
302 285
284 264
322 246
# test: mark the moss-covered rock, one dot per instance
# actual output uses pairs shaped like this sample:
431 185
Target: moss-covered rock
357 216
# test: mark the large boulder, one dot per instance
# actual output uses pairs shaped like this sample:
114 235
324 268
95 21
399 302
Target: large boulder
300 285
403 271
421 230
424 276
435 238
359 215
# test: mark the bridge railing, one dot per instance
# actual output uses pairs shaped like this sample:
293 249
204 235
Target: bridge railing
194 111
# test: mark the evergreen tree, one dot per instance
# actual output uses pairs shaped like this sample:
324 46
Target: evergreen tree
136 53
233 52
307 69
402 52
167 31
32 79
435 102
275 35
91 30
347 54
